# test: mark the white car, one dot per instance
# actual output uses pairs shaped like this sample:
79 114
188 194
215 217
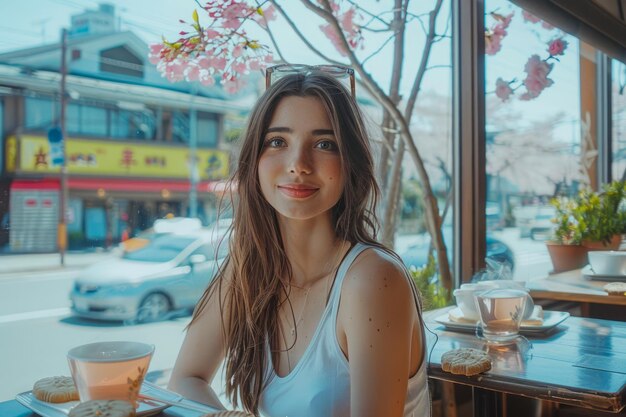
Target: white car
166 276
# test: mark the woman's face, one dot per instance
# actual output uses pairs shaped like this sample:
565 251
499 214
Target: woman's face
300 166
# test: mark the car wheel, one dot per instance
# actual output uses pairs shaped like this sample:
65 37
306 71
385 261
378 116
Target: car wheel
153 307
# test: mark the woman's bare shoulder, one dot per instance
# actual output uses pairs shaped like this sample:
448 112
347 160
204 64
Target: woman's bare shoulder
376 273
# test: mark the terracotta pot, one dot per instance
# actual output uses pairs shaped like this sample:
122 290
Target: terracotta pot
614 244
566 257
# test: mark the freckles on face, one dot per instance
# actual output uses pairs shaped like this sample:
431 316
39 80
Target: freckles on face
300 168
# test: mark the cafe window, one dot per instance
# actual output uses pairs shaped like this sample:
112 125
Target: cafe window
40 113
208 128
618 117
540 90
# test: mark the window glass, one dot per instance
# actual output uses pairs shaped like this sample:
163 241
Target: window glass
133 124
93 121
40 113
618 117
180 127
161 249
539 113
207 130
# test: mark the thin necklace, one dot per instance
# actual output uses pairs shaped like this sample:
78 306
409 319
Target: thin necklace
299 319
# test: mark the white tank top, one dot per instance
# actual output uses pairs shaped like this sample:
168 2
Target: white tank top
319 384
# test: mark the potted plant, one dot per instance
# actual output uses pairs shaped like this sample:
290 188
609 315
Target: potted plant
590 221
564 247
601 216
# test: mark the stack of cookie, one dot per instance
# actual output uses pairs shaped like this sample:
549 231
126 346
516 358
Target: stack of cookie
61 389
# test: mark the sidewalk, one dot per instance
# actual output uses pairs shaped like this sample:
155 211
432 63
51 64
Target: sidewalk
24 263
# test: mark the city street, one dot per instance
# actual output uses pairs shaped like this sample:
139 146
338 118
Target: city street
37 328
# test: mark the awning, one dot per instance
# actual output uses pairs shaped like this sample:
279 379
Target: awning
42 184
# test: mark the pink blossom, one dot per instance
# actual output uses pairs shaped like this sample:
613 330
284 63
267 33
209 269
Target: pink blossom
212 34
332 34
254 64
174 71
503 89
192 73
529 17
557 47
239 67
492 44
546 25
155 53
237 51
219 63
537 77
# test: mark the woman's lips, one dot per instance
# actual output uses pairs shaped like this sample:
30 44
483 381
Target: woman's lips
297 191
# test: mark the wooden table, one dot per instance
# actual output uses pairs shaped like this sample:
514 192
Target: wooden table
573 286
581 362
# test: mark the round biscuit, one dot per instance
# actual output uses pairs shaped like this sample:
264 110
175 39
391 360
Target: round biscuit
615 288
55 389
103 408
465 361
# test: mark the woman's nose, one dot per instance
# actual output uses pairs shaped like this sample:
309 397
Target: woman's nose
300 162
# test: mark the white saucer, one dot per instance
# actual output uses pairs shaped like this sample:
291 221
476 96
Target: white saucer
550 320
588 273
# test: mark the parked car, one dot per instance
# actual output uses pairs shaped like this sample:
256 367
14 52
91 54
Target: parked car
534 221
167 275
417 254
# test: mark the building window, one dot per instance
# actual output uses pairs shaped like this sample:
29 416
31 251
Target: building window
86 120
40 113
127 124
120 60
208 127
180 127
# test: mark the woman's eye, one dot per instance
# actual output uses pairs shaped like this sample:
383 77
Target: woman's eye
275 143
327 145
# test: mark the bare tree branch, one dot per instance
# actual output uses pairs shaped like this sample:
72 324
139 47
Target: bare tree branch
408 111
301 35
430 202
271 35
378 50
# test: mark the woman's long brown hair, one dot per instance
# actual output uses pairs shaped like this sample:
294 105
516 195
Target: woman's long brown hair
257 270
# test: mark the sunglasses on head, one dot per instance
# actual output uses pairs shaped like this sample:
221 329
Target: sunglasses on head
337 71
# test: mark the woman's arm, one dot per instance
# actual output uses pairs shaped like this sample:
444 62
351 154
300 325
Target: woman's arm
201 355
378 317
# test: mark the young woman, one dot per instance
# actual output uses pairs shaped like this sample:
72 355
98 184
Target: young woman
311 315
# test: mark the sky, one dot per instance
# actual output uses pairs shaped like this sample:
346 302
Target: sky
26 23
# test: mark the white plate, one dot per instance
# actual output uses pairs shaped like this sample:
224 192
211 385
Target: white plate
146 407
589 274
550 320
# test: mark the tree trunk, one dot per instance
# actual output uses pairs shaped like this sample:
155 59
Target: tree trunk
393 196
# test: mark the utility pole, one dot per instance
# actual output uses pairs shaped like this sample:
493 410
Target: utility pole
62 230
193 155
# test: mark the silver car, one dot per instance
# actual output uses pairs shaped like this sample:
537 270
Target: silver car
166 276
